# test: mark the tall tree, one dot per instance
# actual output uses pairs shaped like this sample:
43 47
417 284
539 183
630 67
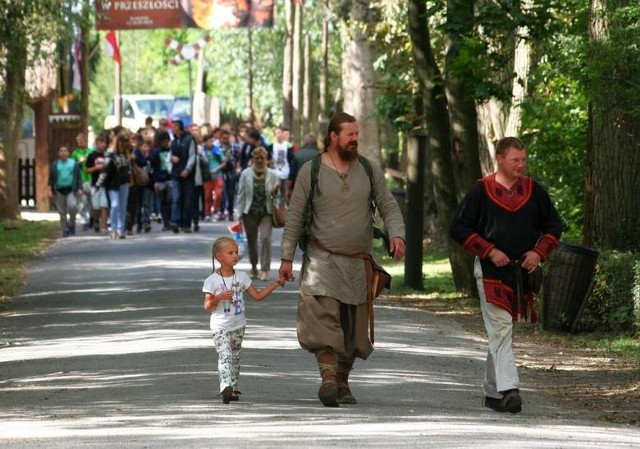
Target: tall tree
297 71
358 76
437 122
25 30
613 207
287 66
461 96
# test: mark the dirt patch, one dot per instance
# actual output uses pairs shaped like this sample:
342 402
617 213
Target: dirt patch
586 383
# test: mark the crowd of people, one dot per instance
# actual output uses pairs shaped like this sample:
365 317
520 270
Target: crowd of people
178 177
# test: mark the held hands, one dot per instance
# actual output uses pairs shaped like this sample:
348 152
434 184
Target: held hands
286 270
280 282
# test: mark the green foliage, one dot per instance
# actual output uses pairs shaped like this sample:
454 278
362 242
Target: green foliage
614 63
555 118
613 306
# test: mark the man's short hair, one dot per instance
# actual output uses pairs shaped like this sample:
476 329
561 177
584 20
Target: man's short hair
508 142
179 124
163 136
253 133
148 120
310 139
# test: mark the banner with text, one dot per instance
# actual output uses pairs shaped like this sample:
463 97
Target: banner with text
205 14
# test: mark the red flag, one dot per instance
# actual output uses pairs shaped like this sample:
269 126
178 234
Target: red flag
113 49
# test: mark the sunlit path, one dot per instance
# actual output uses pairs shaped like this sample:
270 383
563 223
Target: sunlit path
108 346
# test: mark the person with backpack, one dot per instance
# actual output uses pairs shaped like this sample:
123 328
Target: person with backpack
331 216
64 184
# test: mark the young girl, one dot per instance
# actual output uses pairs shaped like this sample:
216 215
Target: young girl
223 297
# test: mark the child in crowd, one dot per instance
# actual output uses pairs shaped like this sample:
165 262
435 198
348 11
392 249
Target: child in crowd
223 297
99 200
64 184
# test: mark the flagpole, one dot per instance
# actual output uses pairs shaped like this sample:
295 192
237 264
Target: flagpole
118 93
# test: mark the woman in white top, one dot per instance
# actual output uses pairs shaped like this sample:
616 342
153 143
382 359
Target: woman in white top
257 184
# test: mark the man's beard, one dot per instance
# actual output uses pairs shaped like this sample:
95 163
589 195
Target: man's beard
348 152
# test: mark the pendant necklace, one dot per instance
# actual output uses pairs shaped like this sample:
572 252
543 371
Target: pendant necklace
342 176
226 305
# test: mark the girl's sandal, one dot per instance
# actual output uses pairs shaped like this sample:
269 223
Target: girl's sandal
234 395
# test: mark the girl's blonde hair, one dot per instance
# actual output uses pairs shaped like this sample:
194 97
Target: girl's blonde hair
218 245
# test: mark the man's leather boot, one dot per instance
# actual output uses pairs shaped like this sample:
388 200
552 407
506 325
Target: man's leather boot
328 362
342 377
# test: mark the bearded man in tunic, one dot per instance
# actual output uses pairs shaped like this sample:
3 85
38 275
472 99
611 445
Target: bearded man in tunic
333 313
508 222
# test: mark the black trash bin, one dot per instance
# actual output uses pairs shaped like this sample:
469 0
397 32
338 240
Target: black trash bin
568 281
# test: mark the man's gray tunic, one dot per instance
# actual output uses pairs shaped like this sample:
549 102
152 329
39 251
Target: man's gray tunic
341 222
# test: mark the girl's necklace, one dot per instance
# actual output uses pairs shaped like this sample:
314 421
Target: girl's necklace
226 306
342 176
233 279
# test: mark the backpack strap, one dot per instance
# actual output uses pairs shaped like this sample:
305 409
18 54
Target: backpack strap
308 207
372 194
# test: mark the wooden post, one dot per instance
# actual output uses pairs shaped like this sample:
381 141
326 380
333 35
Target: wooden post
41 110
416 157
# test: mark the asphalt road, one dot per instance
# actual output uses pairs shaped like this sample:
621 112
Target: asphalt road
108 346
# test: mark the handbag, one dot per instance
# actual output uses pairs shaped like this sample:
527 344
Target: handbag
140 175
278 211
381 279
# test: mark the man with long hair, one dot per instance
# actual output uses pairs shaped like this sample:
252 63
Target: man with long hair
333 306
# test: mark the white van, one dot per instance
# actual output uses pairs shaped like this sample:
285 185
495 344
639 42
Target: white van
136 108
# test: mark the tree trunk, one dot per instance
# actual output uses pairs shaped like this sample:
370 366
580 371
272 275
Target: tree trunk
323 116
298 71
462 106
12 101
287 75
358 79
615 139
307 100
436 119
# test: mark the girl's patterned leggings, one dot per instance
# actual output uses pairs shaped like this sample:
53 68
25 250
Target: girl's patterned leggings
228 346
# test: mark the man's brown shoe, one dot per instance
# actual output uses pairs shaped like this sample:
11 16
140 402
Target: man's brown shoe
328 393
345 396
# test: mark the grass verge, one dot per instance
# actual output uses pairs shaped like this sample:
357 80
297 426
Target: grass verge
18 247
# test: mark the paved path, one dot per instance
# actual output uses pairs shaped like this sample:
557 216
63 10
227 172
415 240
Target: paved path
108 346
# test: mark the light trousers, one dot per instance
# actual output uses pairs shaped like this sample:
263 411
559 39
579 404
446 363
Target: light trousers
118 211
67 207
501 373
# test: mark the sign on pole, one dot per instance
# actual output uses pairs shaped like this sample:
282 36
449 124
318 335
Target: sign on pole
205 14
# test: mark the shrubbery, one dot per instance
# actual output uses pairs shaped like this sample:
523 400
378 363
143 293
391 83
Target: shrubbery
614 306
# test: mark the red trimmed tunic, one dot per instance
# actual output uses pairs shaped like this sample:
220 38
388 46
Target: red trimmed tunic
515 221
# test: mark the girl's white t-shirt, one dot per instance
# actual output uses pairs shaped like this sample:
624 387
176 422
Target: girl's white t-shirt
229 315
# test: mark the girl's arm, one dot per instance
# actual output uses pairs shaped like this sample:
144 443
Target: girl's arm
259 295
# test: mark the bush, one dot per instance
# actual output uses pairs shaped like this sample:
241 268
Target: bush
614 306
